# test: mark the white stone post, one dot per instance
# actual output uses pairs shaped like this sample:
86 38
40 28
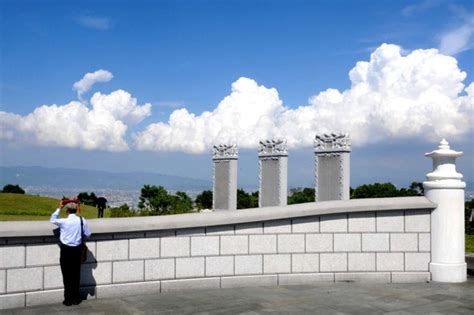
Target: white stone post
332 166
224 196
273 176
446 188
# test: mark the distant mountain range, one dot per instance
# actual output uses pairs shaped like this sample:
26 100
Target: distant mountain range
66 178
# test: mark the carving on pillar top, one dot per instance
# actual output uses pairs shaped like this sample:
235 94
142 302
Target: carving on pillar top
225 152
332 142
272 147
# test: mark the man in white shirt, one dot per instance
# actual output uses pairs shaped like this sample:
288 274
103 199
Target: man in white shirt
70 259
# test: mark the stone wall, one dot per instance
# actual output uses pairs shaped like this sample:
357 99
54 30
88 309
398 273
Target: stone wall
373 240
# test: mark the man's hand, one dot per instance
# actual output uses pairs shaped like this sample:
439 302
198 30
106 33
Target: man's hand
61 204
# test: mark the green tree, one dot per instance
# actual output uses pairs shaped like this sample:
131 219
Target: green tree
469 206
204 200
87 199
13 189
378 190
301 195
246 200
155 200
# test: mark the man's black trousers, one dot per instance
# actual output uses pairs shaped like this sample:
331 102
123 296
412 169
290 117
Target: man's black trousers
70 261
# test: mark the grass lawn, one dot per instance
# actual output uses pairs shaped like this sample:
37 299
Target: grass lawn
18 207
470 243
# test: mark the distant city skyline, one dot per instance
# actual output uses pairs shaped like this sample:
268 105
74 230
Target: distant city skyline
151 86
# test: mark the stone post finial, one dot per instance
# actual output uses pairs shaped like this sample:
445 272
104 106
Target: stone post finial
446 188
272 147
225 151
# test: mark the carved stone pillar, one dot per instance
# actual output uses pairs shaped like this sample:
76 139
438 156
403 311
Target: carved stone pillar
224 195
446 188
332 166
273 177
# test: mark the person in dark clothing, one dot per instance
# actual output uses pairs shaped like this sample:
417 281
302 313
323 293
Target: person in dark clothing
101 204
70 255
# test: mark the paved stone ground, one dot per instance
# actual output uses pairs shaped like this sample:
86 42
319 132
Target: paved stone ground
332 298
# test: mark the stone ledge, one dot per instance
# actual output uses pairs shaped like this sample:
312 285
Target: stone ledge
12 301
193 220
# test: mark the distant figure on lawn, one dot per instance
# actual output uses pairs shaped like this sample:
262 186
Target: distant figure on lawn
101 204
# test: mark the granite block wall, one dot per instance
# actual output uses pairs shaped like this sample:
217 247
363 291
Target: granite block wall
375 246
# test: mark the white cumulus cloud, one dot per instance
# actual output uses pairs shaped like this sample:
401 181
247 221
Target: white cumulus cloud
420 94
102 125
89 79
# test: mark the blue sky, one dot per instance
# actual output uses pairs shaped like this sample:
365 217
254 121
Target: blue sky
188 54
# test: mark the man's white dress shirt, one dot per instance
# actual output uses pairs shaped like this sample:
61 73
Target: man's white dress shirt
70 228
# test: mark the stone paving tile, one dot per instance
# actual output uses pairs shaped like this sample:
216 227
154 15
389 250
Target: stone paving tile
327 298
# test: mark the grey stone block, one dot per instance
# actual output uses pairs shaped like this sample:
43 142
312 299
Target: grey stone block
128 271
424 242
248 264
305 263
249 281
53 278
277 263
305 279
410 277
219 266
191 232
417 220
390 262
262 244
44 297
375 242
220 230
249 228
128 235
347 242
24 279
112 250
10 301
3 281
175 247
12 256
319 243
403 242
40 255
333 223
362 262
127 289
92 274
390 221
204 245
234 245
333 262
367 277
277 226
305 225
189 284
417 261
158 269
143 248
291 243
190 267
362 222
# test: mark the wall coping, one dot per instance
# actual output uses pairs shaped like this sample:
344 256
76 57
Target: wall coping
193 220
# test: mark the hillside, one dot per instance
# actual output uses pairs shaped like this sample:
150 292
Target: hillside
17 207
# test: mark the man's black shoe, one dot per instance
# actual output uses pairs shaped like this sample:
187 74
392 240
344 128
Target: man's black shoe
67 303
77 302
